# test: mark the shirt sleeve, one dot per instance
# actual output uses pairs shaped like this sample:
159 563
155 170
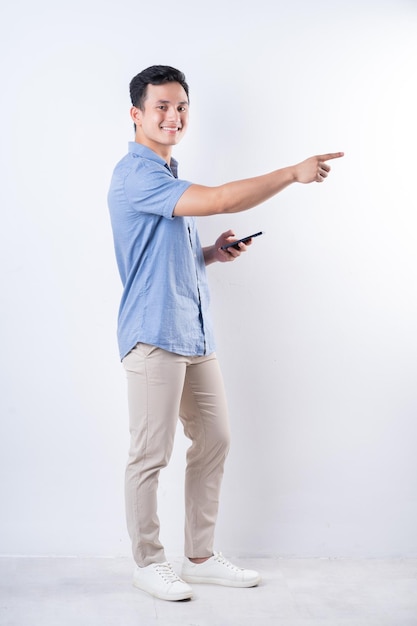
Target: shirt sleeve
151 188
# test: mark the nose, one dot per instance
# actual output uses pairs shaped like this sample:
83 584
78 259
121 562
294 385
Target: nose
173 114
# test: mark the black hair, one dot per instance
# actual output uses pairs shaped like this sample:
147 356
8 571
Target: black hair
154 75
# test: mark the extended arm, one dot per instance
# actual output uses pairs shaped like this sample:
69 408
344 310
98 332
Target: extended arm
244 194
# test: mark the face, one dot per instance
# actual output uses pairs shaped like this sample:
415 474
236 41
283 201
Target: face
164 119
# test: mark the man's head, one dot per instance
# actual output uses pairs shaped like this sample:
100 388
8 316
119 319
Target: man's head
159 108
154 75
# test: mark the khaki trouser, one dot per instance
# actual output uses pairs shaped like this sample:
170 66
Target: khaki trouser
162 386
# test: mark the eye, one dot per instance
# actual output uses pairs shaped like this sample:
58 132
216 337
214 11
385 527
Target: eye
182 109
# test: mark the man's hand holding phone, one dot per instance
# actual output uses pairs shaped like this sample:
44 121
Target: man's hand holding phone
227 247
246 240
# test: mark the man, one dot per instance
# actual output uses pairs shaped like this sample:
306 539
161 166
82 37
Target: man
165 332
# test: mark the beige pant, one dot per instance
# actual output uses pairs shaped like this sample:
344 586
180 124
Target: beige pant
162 386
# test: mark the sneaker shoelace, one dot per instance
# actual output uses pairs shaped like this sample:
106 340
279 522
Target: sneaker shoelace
167 573
218 556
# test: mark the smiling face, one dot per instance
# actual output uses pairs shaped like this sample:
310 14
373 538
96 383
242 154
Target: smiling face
164 118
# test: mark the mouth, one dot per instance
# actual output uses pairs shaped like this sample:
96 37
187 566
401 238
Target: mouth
171 129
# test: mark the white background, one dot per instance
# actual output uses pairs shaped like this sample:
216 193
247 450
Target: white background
316 325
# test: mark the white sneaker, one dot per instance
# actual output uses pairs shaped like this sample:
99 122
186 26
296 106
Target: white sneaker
219 571
160 580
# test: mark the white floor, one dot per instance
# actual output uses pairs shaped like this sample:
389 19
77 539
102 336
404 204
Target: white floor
294 592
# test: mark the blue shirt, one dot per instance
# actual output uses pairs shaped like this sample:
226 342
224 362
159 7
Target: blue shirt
165 300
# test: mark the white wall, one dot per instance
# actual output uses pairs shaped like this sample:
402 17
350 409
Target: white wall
315 326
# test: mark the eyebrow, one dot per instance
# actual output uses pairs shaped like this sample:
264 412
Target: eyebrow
169 102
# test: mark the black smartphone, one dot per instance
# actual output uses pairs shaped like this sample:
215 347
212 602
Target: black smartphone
234 244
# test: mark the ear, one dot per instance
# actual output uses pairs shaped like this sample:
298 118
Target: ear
136 115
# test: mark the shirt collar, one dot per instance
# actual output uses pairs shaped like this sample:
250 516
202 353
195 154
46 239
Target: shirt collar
147 153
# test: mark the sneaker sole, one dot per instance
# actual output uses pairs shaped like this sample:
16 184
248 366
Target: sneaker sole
220 581
173 597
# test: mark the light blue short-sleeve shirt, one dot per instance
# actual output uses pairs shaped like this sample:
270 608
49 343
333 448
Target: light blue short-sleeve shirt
165 300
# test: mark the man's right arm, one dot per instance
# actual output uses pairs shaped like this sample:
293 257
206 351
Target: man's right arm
241 195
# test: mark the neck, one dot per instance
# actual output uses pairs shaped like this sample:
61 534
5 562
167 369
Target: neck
163 151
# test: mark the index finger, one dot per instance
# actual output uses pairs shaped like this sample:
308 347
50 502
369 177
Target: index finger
331 155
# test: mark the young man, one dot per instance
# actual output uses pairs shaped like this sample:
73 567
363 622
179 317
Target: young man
165 331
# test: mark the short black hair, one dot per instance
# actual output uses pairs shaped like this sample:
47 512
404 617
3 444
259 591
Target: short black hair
154 75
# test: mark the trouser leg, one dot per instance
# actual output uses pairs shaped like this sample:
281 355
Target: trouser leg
155 381
204 415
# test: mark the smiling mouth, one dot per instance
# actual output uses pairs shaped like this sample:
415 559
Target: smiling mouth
171 129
